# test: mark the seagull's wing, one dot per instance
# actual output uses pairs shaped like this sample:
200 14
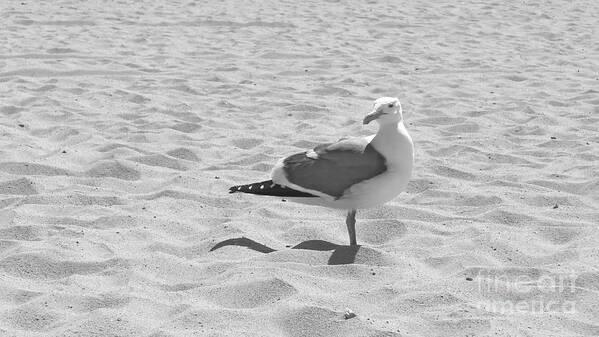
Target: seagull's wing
332 168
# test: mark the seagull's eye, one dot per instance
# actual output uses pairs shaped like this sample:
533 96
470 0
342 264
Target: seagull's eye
391 105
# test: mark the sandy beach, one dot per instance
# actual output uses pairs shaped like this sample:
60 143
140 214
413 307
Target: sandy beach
124 123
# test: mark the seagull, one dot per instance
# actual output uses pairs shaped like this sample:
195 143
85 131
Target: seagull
350 174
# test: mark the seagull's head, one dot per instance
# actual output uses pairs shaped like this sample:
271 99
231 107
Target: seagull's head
385 110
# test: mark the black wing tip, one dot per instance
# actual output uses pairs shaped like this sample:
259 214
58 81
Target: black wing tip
268 187
253 188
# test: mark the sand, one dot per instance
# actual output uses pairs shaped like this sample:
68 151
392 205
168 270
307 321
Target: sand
124 123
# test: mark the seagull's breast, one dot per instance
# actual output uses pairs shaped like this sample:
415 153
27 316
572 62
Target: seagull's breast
398 150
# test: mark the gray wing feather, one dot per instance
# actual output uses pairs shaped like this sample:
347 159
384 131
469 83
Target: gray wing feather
338 166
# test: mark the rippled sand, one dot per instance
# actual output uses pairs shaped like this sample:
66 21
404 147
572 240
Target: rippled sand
123 124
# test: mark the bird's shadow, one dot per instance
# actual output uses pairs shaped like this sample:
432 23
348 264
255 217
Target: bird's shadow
341 254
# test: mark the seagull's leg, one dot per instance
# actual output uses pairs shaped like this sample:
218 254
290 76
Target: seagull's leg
351 226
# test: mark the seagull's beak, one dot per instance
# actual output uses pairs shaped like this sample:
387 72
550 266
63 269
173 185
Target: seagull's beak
372 116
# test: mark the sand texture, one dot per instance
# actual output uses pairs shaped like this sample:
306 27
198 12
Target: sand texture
123 123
